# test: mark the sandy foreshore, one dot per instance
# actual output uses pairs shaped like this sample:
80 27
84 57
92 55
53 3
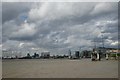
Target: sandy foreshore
55 68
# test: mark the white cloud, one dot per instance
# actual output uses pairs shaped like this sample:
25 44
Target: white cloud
60 26
114 43
21 45
104 8
51 11
26 29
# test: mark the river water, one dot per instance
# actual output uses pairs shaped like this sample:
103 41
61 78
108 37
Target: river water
59 68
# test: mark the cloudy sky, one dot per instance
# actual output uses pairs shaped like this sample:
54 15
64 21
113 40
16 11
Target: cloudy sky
58 26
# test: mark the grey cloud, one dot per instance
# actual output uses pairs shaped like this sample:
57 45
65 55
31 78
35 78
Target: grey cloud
60 26
12 10
0 24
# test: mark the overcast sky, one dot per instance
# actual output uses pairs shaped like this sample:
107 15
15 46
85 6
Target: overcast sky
58 26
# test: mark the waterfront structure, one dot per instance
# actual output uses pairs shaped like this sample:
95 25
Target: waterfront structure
107 55
70 54
77 54
45 55
86 54
112 53
94 55
9 54
6 54
35 55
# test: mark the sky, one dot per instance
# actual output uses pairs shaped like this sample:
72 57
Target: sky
58 26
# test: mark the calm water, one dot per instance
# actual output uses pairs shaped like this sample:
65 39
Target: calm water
37 68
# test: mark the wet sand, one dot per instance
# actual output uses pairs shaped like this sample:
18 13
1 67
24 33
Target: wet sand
37 68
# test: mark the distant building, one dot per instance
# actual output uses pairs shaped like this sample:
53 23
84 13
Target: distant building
75 55
111 50
35 55
10 54
45 55
114 51
108 52
69 54
28 56
86 54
